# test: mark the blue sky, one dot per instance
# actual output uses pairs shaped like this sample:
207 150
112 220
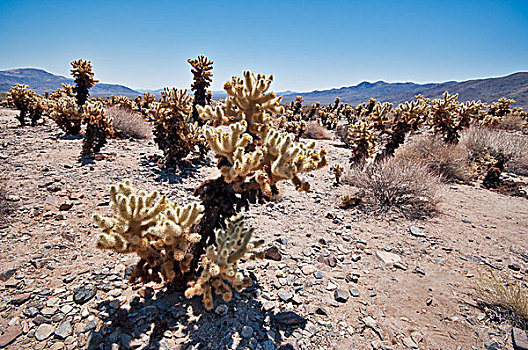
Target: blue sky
307 45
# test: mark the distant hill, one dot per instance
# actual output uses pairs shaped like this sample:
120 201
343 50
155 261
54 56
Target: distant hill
39 80
487 90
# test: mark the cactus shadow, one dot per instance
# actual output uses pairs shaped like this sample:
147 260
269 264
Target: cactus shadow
167 320
176 174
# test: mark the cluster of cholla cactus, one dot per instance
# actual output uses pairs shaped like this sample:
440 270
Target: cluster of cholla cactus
174 130
27 102
98 128
448 116
84 80
500 109
202 75
200 245
68 101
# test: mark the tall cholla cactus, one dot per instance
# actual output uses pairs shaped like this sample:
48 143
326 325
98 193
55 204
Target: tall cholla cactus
174 131
362 140
220 263
98 128
21 98
84 81
203 76
444 117
253 150
65 113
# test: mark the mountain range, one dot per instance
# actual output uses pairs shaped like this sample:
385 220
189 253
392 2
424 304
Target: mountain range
487 90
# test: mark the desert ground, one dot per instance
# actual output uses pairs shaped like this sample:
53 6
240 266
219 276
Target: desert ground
346 279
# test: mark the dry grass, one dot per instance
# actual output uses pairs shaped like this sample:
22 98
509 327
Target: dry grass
408 187
450 162
478 141
128 124
316 131
508 301
511 122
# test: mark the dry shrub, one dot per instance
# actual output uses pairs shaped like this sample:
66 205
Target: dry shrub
507 301
408 187
479 141
128 124
449 161
316 131
512 122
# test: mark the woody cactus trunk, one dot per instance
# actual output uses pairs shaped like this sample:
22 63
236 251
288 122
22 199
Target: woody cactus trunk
201 244
84 80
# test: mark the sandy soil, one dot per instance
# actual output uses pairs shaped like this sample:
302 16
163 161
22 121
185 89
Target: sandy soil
424 301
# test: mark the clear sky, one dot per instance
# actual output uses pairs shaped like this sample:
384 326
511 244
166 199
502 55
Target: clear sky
307 45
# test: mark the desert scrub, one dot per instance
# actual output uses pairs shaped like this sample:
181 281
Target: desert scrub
98 128
449 161
199 245
393 184
481 143
503 300
21 98
316 131
128 124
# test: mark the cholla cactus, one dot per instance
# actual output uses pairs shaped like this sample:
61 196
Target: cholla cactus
296 105
156 229
124 102
21 98
220 263
252 150
380 116
175 133
98 128
65 113
84 81
202 74
446 118
37 108
497 111
362 140
337 170
66 90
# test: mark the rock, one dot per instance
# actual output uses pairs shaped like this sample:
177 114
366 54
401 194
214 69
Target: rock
273 253
285 296
30 311
221 309
355 257
69 278
318 275
288 318
321 311
409 343
400 266
388 258
308 269
354 292
417 337
67 205
331 286
514 267
7 274
416 232
520 339
329 260
44 331
341 295
84 293
492 345
40 320
268 306
64 330
10 334
20 299
247 332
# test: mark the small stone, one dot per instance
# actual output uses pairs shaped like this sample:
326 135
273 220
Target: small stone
388 258
7 274
520 339
341 295
492 345
372 293
44 331
331 286
268 306
64 330
416 232
273 253
20 299
400 266
69 278
308 269
285 296
84 293
288 318
67 205
247 332
40 320
417 337
221 309
354 292
10 334
318 275
409 343
321 311
514 267
355 257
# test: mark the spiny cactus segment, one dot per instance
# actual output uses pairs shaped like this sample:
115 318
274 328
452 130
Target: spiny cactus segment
98 128
202 75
